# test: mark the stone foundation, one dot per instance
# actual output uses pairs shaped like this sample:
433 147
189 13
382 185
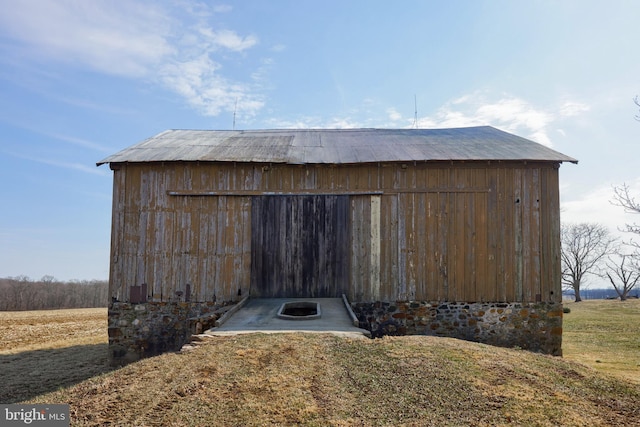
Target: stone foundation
531 326
151 328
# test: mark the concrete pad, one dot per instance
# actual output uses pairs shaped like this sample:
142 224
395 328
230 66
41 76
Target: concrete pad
260 315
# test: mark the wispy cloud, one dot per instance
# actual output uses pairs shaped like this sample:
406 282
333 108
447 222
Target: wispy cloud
80 142
78 167
199 82
110 109
572 108
227 39
507 112
316 122
172 44
394 115
123 38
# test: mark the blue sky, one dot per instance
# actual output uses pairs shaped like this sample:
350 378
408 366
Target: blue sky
82 79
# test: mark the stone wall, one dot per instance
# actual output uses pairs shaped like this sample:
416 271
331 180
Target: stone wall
148 329
151 328
531 326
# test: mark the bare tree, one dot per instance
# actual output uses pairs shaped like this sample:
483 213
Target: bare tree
21 293
623 198
584 247
623 274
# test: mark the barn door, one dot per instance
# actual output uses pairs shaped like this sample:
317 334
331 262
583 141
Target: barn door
299 246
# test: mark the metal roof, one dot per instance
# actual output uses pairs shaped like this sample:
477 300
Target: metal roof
336 146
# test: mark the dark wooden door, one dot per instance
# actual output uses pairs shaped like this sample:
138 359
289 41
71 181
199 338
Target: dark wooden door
299 246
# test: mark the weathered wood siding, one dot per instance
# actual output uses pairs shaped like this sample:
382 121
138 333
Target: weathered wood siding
455 231
299 246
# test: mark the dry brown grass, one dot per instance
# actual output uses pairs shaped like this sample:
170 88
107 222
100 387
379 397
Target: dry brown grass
48 329
320 380
41 351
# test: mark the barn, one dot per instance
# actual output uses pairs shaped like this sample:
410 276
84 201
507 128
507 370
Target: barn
451 232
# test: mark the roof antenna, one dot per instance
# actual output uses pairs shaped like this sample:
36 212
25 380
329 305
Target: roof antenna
234 114
415 114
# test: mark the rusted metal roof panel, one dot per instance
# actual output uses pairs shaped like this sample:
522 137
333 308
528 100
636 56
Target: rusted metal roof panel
337 146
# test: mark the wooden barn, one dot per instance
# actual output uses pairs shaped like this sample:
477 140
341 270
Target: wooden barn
428 230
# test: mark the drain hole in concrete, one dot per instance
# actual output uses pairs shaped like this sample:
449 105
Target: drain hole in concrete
299 310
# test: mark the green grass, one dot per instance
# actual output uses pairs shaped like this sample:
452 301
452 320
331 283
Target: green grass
605 335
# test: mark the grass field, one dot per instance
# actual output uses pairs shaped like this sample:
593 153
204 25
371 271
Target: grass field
605 335
41 351
318 380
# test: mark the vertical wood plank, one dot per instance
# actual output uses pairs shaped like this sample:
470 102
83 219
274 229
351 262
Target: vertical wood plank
534 292
484 277
403 248
518 236
360 282
245 248
116 280
493 284
356 291
552 191
443 254
375 242
422 256
433 278
468 288
509 261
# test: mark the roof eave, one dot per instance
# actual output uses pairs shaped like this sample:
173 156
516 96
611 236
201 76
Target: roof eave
565 160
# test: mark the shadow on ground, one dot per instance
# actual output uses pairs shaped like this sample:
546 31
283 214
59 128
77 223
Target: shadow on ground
32 373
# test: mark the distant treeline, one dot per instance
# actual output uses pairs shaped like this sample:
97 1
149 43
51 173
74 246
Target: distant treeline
22 293
600 293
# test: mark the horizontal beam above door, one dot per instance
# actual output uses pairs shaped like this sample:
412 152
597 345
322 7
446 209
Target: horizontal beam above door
193 193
